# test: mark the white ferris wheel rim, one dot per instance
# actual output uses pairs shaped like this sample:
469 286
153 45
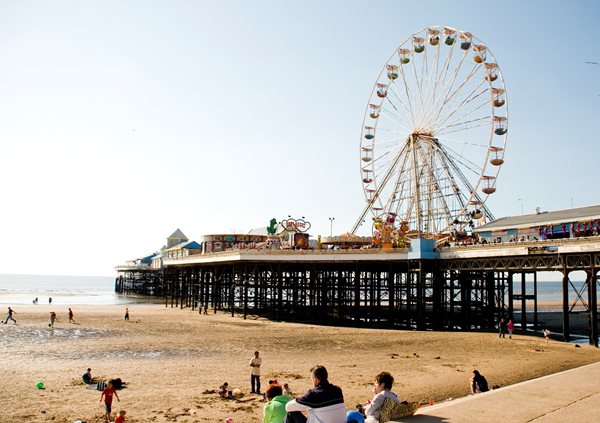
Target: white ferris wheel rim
494 143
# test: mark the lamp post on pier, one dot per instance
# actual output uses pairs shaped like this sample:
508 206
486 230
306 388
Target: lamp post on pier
331 219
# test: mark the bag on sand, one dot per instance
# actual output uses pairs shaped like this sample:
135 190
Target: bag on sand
391 410
117 383
101 385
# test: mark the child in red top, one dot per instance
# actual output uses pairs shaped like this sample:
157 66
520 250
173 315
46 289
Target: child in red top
120 417
108 393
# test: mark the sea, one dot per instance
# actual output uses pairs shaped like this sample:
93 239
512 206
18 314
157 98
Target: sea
71 290
22 289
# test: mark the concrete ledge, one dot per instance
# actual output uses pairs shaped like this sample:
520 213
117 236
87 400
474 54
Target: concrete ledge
569 396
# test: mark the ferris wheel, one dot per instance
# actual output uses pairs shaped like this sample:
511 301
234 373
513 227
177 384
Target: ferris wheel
434 135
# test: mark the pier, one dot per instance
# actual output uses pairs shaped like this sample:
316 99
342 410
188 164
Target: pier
460 288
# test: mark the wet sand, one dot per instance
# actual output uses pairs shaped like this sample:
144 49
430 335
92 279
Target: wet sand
173 359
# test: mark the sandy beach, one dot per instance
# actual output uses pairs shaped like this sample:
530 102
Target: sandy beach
172 360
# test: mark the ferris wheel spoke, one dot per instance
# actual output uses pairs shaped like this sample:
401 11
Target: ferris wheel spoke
446 87
429 95
468 99
431 186
394 192
462 126
392 88
417 88
397 115
386 177
460 174
462 142
449 96
407 93
466 163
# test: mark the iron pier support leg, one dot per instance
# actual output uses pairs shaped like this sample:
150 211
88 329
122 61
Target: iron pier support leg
593 302
565 308
523 302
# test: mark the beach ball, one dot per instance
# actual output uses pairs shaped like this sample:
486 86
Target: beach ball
354 417
40 385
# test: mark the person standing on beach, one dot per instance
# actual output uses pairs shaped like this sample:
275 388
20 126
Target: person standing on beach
49 300
126 313
324 401
52 319
108 393
502 328
255 373
9 316
71 316
510 326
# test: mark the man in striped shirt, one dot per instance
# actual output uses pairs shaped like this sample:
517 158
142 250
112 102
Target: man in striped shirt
324 402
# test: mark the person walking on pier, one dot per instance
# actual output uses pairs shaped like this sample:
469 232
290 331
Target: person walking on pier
9 316
255 373
502 328
510 326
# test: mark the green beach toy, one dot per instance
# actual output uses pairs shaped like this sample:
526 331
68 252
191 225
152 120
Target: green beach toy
40 385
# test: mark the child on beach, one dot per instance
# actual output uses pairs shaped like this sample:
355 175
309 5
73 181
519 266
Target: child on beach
120 417
546 335
108 393
223 390
287 391
126 313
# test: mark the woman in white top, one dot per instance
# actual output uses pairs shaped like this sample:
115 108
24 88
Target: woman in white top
382 388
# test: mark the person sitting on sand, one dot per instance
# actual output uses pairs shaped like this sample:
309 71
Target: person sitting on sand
87 376
287 391
324 402
274 410
223 390
120 417
382 389
478 383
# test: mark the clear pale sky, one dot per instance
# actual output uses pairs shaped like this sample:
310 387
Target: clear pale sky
121 121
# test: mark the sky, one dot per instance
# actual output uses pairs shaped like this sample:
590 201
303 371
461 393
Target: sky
121 121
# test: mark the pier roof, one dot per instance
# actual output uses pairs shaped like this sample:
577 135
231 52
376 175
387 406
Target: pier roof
543 218
178 235
190 245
